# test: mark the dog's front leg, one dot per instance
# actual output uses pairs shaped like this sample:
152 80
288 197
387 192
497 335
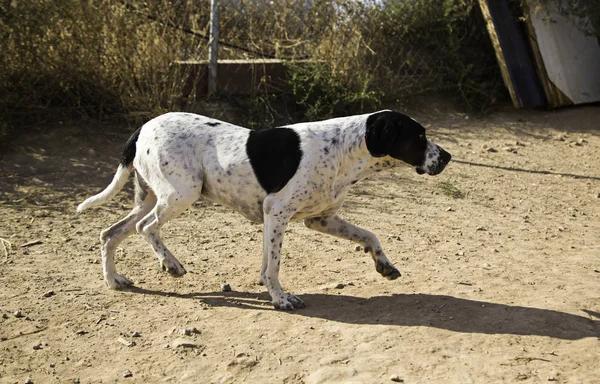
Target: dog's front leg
275 225
336 226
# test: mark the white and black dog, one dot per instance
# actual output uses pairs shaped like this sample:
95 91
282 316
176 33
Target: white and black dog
296 172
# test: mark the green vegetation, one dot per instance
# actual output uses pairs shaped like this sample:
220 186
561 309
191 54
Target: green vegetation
449 189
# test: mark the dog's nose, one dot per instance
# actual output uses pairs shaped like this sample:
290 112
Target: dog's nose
445 156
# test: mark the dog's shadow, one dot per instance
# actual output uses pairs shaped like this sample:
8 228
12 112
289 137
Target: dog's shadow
438 311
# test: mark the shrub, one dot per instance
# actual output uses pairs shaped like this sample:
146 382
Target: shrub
103 58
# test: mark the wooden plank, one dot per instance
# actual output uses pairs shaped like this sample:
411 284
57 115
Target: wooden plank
554 96
568 61
513 54
489 22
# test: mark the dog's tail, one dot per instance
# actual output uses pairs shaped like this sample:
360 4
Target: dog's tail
119 179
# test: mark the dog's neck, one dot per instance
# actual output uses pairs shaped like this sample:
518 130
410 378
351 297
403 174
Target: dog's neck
359 163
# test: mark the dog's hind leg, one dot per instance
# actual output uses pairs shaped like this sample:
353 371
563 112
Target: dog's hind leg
111 237
168 206
336 226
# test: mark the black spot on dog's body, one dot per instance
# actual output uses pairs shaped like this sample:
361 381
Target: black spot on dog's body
274 155
213 123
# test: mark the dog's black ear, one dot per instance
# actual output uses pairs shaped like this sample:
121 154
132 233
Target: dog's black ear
381 133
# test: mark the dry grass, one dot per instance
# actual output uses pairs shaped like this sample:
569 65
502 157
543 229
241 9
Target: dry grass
102 58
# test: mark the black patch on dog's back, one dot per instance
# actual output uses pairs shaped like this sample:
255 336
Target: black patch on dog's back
275 155
129 151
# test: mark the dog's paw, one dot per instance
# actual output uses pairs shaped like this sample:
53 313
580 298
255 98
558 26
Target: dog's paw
173 267
118 282
387 270
288 302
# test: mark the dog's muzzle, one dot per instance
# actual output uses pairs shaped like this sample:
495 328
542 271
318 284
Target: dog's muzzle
436 165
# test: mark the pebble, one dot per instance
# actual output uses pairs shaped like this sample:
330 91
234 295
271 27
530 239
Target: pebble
135 334
396 379
225 287
492 150
18 314
4 316
126 343
189 331
127 373
81 332
28 381
340 286
358 246
49 294
183 343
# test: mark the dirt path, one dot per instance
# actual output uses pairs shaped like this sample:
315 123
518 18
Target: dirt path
499 285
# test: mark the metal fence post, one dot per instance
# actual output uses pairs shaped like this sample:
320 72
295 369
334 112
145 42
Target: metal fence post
213 47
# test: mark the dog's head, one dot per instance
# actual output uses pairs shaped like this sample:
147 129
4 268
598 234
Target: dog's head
399 136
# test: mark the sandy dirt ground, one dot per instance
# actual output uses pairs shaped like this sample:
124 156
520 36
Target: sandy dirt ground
500 257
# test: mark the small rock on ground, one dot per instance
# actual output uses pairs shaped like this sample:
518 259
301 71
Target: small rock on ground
189 331
183 343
